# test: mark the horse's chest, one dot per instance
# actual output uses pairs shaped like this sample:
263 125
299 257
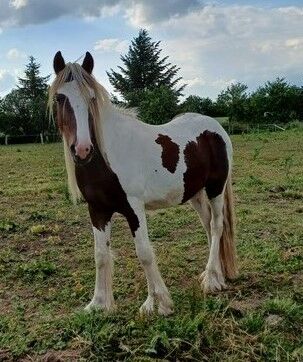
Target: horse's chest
99 185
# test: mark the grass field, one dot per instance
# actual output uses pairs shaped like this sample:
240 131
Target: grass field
47 267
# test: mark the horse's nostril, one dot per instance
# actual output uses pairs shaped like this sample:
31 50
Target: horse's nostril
73 148
87 149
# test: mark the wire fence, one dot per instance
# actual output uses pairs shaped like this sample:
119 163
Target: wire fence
55 137
32 138
244 128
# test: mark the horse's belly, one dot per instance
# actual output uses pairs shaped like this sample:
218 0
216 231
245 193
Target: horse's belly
164 190
171 198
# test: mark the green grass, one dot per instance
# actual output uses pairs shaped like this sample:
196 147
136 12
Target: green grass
47 267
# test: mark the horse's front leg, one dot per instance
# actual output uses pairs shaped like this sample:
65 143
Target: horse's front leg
103 295
156 286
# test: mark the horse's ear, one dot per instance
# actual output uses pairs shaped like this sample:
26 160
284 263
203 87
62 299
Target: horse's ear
59 63
88 63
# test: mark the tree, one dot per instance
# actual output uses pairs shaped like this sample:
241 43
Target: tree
34 88
23 110
14 114
277 101
234 102
158 106
198 105
143 70
297 101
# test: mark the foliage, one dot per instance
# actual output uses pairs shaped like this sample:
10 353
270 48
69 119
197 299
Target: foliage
197 104
278 102
234 101
158 106
23 110
274 102
144 70
14 114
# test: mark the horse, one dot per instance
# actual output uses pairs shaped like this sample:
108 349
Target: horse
119 164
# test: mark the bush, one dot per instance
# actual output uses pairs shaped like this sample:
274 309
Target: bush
158 106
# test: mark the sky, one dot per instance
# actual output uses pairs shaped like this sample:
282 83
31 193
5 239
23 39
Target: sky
215 43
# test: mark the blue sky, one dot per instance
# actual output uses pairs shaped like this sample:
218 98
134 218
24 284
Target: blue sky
215 43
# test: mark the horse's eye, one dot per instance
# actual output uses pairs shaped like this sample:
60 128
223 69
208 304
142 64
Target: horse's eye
60 98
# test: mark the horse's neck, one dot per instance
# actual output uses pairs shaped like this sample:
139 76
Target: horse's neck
117 128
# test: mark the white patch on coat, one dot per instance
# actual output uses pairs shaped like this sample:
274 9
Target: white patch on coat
103 295
80 108
136 158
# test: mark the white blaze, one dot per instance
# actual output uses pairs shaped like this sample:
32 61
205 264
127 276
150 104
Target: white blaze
80 108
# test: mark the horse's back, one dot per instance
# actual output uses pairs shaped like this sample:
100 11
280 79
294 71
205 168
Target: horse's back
187 126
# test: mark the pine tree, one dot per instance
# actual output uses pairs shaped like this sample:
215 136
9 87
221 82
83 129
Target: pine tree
143 70
33 85
33 90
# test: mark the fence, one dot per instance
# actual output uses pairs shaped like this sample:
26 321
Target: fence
240 128
54 137
33 138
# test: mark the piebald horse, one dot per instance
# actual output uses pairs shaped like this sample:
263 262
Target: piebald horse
121 165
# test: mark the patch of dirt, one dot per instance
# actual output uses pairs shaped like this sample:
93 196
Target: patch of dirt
5 355
292 252
54 356
273 320
246 305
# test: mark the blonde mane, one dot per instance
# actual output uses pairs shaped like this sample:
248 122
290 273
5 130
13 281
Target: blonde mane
101 101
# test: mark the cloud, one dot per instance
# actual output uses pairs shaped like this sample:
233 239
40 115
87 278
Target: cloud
23 12
213 45
138 12
217 45
15 54
294 43
145 13
111 44
18 4
7 80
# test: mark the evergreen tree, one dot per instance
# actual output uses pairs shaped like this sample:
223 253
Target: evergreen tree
144 69
33 90
33 85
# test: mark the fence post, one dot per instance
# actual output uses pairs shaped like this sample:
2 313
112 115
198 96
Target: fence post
6 140
41 138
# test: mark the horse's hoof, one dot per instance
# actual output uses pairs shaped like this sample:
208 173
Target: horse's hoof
95 305
165 311
147 308
212 282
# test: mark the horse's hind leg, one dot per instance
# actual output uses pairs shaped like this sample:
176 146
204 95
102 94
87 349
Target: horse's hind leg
213 277
156 286
201 204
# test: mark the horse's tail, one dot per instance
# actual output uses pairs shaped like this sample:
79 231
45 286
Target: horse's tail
227 243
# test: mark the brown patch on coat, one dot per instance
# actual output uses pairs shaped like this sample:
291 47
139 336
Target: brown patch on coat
97 182
207 165
170 152
66 118
103 192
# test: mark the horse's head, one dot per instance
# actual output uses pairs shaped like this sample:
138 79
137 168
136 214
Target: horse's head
73 97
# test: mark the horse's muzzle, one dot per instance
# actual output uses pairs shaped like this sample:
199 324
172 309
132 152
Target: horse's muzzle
81 161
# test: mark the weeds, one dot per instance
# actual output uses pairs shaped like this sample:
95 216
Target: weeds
47 267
